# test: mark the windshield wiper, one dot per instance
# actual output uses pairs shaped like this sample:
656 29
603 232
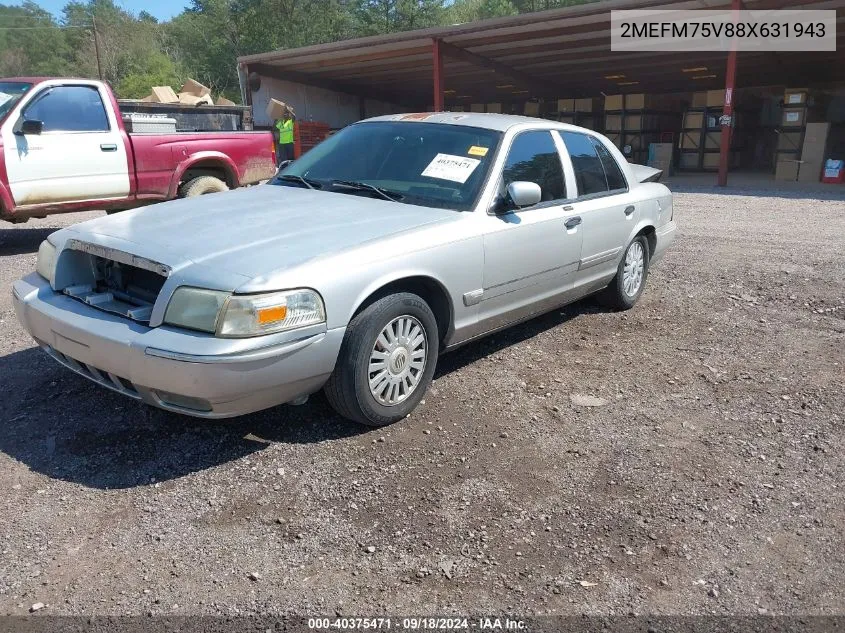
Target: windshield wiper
393 196
308 182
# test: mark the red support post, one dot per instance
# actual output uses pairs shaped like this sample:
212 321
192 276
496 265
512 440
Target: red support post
727 121
437 59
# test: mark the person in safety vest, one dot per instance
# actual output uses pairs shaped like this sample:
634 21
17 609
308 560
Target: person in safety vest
284 136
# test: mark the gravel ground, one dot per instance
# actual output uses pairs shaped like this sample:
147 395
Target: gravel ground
703 474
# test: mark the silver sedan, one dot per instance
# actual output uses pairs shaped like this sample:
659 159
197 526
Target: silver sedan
395 240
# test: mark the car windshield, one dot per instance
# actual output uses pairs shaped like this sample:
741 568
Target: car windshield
426 164
10 93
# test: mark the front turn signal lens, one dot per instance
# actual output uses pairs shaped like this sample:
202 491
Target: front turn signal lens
256 315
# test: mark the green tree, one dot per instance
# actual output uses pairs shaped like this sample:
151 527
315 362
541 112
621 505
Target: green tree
463 11
31 42
388 16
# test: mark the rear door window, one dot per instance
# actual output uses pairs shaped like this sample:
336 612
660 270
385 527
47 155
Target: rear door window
533 157
589 172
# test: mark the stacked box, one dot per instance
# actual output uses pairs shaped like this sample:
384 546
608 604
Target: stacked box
587 104
795 96
566 105
814 151
716 98
787 169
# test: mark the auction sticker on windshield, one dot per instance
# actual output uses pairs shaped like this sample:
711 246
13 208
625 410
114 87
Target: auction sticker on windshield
451 167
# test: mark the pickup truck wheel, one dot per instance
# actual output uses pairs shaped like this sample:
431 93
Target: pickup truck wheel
628 284
202 185
386 361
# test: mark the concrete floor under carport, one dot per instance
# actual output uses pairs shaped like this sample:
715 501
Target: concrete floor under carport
753 183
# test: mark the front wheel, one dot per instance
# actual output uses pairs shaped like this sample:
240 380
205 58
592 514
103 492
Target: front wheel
386 361
628 284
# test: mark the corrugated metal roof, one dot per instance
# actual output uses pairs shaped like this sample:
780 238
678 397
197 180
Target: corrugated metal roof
562 52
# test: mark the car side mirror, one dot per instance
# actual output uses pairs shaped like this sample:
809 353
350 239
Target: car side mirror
31 127
524 194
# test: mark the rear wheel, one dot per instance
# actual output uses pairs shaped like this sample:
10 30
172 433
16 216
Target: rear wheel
628 284
386 361
202 185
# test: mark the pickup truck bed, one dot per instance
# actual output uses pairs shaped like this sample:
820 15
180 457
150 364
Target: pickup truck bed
64 148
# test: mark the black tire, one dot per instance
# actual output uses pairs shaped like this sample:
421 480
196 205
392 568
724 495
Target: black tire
348 389
202 185
615 296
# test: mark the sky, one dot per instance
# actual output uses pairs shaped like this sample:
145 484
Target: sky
162 9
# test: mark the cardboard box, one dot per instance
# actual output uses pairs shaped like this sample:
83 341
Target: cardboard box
613 122
693 120
795 96
699 99
793 117
193 87
811 171
223 101
787 169
712 140
815 142
789 141
635 122
715 98
690 140
585 105
476 107
660 153
566 105
149 99
638 101
164 94
614 102
532 108
191 99
276 109
496 108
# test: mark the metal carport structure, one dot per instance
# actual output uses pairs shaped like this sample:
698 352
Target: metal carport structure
561 52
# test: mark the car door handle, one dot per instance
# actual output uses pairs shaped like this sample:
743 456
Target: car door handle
108 147
629 210
571 223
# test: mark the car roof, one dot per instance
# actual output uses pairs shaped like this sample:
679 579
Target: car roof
490 121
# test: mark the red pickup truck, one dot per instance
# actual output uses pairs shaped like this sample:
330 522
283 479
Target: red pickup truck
64 147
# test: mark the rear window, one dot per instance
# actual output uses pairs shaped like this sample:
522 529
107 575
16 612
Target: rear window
10 93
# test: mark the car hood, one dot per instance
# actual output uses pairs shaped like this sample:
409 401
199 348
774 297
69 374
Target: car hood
259 229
